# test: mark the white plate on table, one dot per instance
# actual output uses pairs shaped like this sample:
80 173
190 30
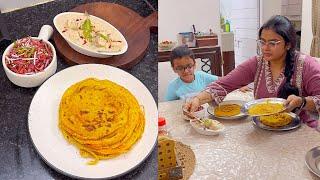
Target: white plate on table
210 109
295 123
64 157
312 160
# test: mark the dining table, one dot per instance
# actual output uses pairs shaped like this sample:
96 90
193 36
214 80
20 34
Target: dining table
242 150
19 158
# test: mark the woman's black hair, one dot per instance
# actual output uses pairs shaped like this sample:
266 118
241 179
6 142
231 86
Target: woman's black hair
179 52
284 27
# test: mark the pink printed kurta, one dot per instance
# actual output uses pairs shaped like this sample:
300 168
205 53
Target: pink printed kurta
306 78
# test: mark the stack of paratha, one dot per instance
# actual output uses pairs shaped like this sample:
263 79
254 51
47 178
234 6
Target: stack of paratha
227 110
276 120
266 108
101 118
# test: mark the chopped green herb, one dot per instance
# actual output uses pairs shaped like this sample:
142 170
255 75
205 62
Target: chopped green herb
105 37
87 29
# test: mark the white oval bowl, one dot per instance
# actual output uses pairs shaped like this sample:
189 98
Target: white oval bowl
207 132
81 49
32 80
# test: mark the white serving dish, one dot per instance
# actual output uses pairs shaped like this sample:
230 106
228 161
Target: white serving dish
82 49
43 119
205 131
36 79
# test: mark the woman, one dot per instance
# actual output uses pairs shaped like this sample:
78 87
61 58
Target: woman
281 71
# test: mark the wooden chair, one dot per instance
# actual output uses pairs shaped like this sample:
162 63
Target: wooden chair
209 55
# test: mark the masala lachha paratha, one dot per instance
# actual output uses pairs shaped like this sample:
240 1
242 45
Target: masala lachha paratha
266 108
101 118
276 120
227 110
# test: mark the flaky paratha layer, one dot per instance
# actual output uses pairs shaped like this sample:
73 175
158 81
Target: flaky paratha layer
102 118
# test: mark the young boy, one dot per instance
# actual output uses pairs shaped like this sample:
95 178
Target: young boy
189 80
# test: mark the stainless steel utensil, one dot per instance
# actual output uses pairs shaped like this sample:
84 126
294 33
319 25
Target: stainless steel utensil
246 106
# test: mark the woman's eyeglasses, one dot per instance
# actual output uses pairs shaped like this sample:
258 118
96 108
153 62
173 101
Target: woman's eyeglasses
183 68
270 44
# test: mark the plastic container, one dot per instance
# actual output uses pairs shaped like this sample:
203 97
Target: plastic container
227 26
162 127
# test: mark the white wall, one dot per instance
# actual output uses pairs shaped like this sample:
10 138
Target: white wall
306 28
10 5
291 9
179 15
225 8
269 8
226 11
165 75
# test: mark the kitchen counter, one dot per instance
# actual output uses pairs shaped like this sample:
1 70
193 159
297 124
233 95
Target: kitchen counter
19 159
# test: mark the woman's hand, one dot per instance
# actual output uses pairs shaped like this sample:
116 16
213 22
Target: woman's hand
202 98
192 105
293 102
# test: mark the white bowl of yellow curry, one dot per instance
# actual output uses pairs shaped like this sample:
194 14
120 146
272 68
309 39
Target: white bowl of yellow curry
90 35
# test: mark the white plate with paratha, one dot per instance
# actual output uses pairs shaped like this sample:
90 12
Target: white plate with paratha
64 157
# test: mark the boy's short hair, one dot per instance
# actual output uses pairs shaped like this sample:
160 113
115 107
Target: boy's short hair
180 52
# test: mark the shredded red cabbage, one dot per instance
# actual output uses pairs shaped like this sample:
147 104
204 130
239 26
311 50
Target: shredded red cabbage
29 56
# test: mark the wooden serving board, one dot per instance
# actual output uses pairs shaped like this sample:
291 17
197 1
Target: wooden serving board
134 28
